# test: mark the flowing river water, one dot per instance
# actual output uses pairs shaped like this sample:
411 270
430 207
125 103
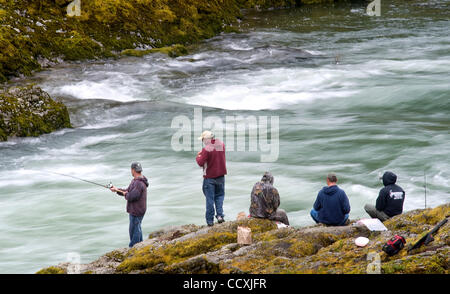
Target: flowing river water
354 94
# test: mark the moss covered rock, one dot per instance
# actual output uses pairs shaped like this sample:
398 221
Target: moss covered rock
52 270
317 249
172 51
29 111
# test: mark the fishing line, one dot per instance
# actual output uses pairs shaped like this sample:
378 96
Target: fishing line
80 179
425 187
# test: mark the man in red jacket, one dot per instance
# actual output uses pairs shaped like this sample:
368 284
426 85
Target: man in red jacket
212 159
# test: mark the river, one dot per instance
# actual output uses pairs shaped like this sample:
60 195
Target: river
353 94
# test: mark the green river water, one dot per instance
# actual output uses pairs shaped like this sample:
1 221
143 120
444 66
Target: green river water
353 94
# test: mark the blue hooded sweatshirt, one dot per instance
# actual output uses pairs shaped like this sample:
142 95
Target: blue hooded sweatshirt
332 204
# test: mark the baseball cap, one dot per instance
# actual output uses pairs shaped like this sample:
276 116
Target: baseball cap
136 166
206 135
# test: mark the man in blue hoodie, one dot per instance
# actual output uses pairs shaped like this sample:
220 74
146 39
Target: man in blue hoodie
136 196
332 206
390 199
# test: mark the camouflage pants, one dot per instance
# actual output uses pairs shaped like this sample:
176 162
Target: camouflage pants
374 213
281 216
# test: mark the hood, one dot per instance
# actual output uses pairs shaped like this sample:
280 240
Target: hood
267 178
214 144
330 190
389 178
143 180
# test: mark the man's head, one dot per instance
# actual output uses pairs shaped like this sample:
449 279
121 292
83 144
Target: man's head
267 178
389 178
331 179
136 169
206 135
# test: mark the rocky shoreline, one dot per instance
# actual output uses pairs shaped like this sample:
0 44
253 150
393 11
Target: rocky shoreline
192 249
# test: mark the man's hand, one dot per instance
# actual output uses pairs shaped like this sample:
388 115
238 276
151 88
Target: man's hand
115 190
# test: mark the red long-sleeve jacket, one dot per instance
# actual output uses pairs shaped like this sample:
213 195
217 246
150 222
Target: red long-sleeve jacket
212 159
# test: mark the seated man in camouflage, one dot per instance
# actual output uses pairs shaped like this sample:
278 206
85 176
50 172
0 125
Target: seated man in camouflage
266 200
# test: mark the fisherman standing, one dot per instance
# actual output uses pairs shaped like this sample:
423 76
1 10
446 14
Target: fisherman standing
265 201
390 199
212 159
136 196
331 206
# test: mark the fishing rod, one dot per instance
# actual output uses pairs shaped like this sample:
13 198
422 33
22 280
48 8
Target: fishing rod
109 186
425 187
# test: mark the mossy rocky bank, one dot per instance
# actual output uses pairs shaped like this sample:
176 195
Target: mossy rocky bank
38 34
315 249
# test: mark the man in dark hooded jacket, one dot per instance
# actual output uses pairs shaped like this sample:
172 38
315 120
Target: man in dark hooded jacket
136 196
390 199
265 201
332 206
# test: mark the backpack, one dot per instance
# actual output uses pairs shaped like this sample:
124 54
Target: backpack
394 245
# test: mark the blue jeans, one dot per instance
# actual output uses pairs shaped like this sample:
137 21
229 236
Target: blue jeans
315 216
135 229
214 190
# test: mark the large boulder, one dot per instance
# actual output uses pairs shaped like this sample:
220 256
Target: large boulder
29 111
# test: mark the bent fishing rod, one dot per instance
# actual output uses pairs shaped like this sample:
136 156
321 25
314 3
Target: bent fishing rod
109 186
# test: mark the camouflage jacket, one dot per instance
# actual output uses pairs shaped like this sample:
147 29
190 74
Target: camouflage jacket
265 200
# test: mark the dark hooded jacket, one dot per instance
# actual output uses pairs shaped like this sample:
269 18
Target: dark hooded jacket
332 204
391 197
265 199
136 196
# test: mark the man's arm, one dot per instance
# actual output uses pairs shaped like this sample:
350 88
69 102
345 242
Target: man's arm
317 206
276 198
253 201
381 200
121 192
202 156
345 204
135 194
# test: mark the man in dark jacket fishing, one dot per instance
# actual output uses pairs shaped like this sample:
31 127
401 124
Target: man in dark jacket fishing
136 196
212 159
265 201
332 206
390 199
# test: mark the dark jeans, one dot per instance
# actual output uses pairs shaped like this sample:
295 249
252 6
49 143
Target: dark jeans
315 216
135 230
214 190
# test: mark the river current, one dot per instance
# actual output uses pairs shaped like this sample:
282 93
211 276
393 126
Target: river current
352 94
